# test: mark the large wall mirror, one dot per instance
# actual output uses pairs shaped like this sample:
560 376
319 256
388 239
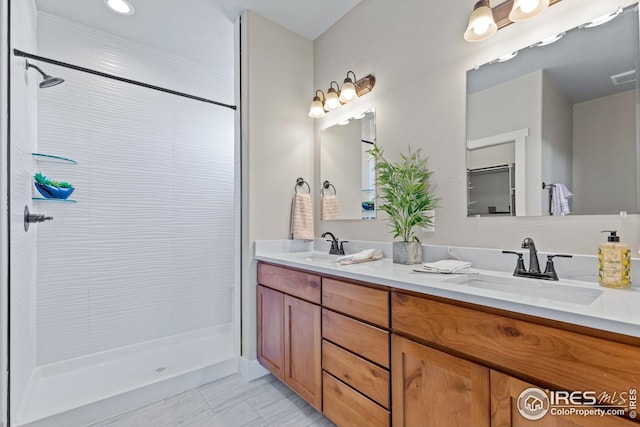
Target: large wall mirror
347 169
553 129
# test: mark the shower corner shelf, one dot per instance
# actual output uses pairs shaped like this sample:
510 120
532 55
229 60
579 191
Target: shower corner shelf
41 157
42 199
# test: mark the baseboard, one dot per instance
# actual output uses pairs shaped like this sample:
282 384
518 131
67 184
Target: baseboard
251 369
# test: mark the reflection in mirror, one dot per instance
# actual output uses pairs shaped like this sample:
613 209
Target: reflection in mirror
561 114
348 167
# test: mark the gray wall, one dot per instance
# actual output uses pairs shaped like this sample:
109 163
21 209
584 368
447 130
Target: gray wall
420 99
277 142
605 161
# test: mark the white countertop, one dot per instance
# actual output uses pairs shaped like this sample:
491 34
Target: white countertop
614 310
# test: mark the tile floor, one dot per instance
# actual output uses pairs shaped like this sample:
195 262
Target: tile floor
229 402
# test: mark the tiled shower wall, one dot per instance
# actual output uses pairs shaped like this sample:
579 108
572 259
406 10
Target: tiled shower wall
148 249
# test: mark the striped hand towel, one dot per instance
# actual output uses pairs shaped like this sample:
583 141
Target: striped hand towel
329 208
301 217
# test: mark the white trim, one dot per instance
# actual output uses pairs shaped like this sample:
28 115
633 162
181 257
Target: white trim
520 138
251 369
4 208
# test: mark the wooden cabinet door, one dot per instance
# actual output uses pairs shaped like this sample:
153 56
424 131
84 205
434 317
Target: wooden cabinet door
271 330
303 349
505 391
432 388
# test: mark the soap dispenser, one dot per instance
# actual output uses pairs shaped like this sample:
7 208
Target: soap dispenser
614 263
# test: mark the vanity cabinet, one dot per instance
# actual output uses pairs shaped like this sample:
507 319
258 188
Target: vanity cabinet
552 357
505 391
375 356
289 338
432 388
355 354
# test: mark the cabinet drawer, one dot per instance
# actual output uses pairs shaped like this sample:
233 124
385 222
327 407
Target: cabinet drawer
348 408
554 357
297 283
365 340
371 305
366 377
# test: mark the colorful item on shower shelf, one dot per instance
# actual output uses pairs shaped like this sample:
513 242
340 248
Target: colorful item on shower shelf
51 189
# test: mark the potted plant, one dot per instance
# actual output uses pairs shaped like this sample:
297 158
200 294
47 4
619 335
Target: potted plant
51 189
406 196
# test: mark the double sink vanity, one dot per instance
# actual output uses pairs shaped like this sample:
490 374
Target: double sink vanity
377 344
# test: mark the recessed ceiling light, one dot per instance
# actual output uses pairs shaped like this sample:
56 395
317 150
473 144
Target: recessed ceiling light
122 7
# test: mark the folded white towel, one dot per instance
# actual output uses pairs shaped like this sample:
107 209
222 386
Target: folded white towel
447 266
301 217
362 256
560 195
329 208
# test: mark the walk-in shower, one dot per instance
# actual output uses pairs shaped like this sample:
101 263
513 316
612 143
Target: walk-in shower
131 293
48 81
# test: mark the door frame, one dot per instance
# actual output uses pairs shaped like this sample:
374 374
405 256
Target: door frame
4 211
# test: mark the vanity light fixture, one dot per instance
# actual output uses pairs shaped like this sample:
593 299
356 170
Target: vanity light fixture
481 23
603 19
485 21
317 106
123 7
334 98
344 123
348 92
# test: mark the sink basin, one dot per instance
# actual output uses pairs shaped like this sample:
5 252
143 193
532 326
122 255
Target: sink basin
315 257
529 287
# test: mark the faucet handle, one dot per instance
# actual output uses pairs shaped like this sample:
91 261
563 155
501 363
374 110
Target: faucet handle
550 269
342 247
519 263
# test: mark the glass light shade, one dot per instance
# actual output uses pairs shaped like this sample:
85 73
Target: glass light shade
332 102
348 92
526 9
317 110
481 23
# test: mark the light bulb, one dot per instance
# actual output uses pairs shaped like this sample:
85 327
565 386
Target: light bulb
528 6
481 26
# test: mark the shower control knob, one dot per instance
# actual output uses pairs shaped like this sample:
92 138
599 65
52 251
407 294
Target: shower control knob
31 218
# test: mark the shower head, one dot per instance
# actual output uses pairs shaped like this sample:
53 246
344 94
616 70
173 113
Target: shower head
48 80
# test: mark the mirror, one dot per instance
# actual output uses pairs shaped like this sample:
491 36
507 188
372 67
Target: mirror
553 130
347 169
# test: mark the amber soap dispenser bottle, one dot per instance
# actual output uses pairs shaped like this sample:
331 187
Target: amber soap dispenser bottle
614 263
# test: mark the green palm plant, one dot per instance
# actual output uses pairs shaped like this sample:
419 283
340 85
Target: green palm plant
405 191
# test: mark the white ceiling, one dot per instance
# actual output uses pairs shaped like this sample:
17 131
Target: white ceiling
186 27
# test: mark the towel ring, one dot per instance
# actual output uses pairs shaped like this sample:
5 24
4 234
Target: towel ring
325 186
299 183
